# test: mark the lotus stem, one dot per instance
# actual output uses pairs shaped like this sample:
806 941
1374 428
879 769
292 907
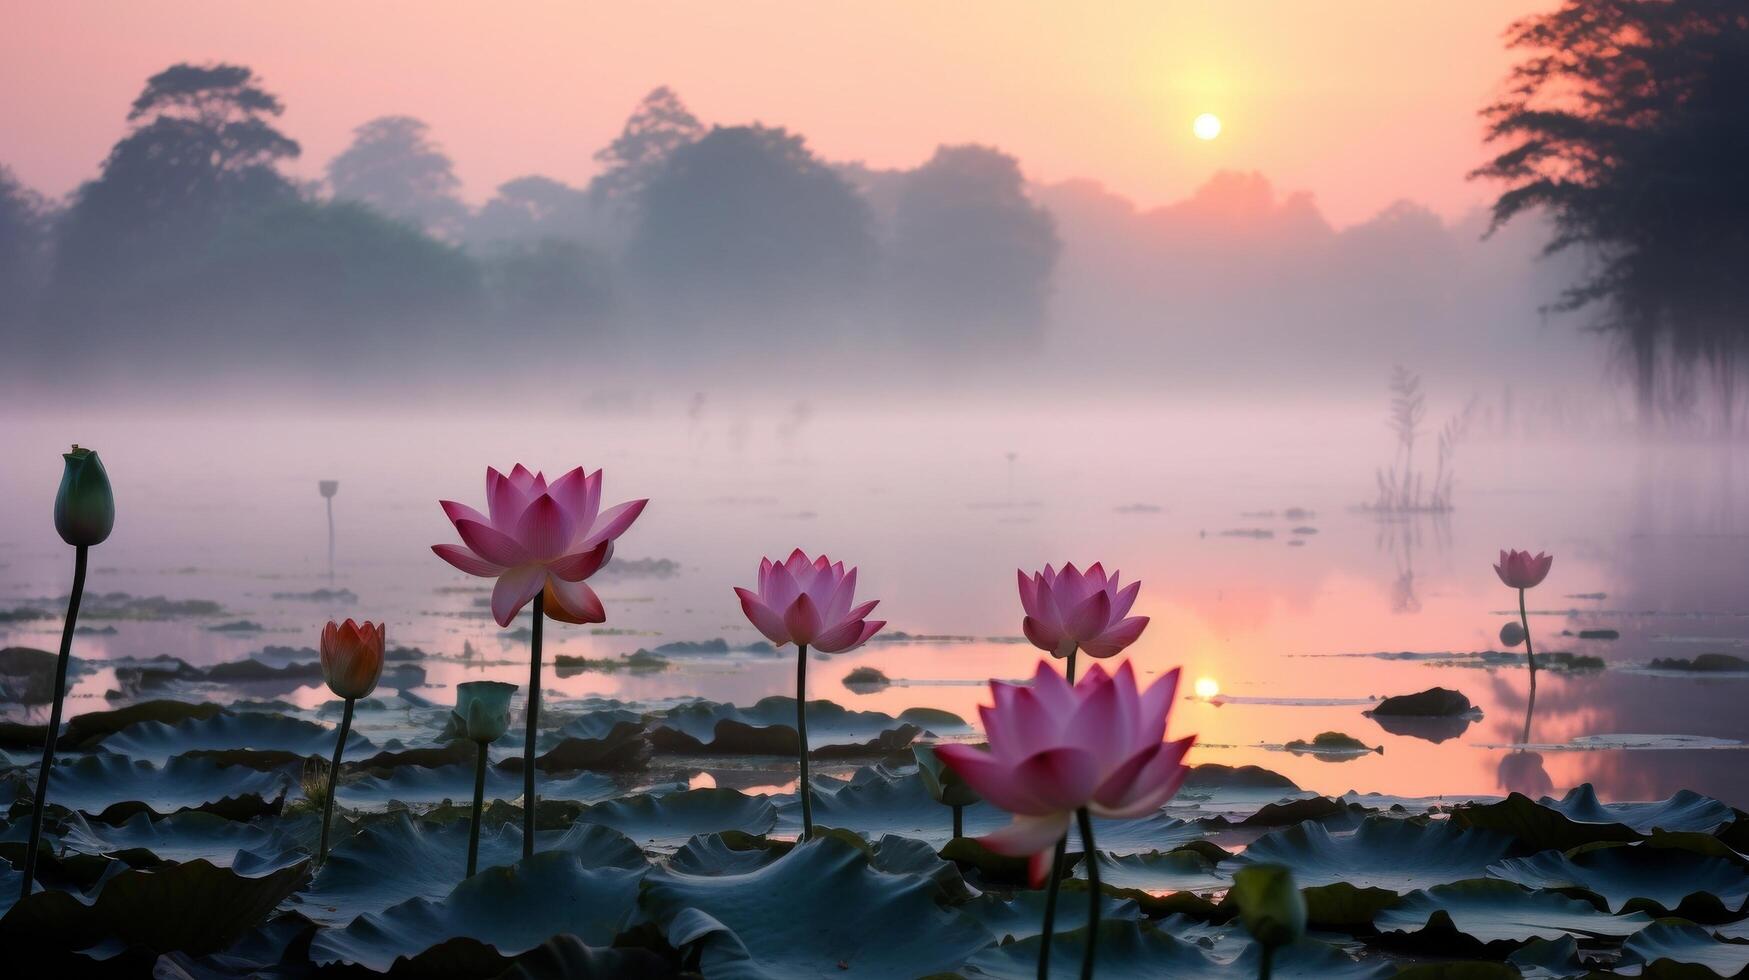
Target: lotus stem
1267 965
1529 654
330 502
54 727
802 786
528 797
1050 923
479 797
1091 856
334 779
959 827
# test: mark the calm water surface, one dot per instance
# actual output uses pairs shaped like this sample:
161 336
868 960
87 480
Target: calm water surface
924 498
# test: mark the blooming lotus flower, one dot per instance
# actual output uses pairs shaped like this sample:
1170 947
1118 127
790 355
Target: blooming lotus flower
539 539
1055 749
808 603
352 657
1520 571
1071 610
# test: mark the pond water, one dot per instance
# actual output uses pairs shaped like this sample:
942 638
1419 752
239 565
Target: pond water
1283 619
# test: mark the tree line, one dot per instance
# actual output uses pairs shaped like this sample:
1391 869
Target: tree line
194 239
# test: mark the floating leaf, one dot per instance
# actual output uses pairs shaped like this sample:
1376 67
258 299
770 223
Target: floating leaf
1681 942
1384 852
1578 818
875 802
491 917
112 788
1662 877
768 728
388 863
1022 915
1129 949
192 835
1484 912
672 818
818 911
1184 869
419 785
156 741
569 958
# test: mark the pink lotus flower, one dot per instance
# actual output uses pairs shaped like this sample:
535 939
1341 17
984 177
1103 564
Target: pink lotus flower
352 657
1055 749
1073 609
539 538
808 603
1520 571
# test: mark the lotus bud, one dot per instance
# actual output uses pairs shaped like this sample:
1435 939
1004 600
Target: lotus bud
943 783
1270 903
1511 635
328 488
85 505
482 711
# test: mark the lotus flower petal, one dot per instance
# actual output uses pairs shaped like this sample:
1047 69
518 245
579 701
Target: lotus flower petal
515 587
466 560
573 602
809 601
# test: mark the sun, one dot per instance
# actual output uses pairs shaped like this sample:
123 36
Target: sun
1206 126
1207 687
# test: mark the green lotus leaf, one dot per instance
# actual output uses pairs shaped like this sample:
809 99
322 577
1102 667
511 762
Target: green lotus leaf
819 911
1549 959
1662 877
1485 914
730 853
419 785
768 728
1022 915
624 747
89 729
1213 790
1681 942
112 788
569 958
671 819
194 906
388 863
1324 809
875 802
601 723
1340 905
945 786
1182 869
739 853
1578 818
490 918
1128 949
156 741
193 835
1383 852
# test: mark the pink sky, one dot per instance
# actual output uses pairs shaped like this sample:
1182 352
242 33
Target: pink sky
1361 102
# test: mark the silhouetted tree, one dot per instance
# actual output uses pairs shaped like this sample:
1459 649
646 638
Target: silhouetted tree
530 208
749 213
24 236
393 166
1628 123
968 244
660 125
202 148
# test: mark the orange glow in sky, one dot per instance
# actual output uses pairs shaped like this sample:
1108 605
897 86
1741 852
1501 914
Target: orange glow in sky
1361 102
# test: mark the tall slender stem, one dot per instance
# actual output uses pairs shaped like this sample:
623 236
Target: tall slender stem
1091 856
330 502
959 823
528 798
1050 923
802 785
1529 654
479 798
1069 672
1267 965
54 728
333 780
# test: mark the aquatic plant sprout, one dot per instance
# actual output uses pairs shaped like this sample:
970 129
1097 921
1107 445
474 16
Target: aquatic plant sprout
808 602
1060 752
84 516
352 662
540 542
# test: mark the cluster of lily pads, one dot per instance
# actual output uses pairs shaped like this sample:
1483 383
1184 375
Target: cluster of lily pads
197 840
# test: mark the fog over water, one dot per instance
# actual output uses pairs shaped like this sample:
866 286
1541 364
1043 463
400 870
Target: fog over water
1192 495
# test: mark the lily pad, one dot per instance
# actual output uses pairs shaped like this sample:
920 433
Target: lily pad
188 836
768 728
1181 870
876 802
490 918
1685 810
1384 852
1490 913
672 818
86 730
156 741
819 911
570 958
389 863
418 785
1022 916
1661 877
1578 818
1680 942
112 788
1130 949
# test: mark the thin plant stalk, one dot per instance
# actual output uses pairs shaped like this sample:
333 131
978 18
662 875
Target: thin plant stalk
528 798
80 554
479 798
959 825
1057 861
1267 964
802 786
1091 856
333 779
1050 923
330 502
1529 654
